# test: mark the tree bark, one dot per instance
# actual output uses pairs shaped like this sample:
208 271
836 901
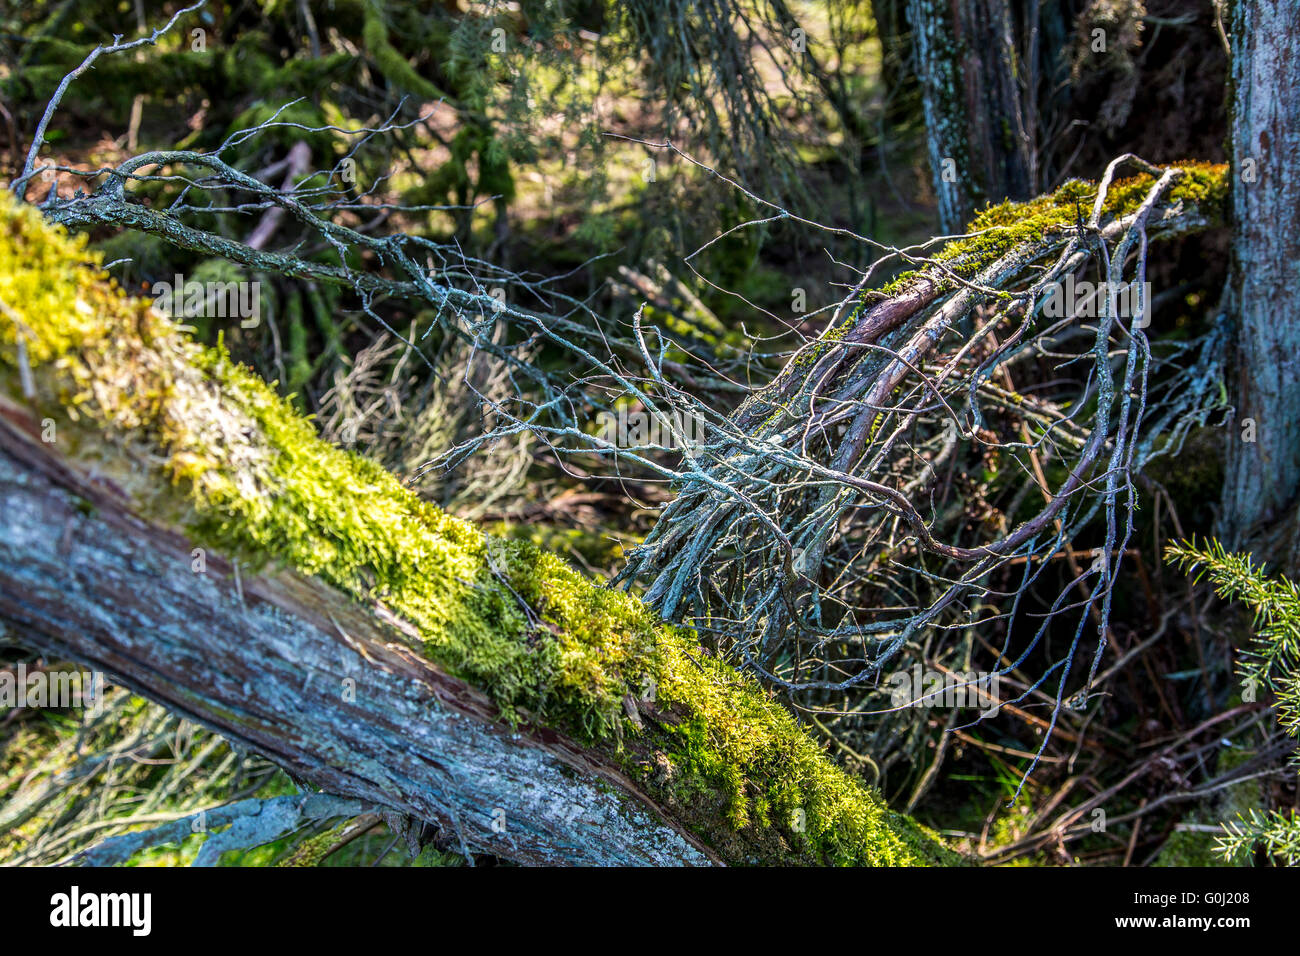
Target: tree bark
975 124
404 658
1263 453
292 669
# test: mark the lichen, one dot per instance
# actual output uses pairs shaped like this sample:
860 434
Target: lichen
247 475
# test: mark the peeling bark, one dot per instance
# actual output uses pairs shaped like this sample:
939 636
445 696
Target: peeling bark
287 667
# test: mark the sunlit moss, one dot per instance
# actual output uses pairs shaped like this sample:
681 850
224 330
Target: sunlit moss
999 229
250 477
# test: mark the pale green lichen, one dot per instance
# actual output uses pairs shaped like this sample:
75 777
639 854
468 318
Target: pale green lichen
251 477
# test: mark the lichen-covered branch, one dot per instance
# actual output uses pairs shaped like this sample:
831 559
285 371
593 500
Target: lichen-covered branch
832 521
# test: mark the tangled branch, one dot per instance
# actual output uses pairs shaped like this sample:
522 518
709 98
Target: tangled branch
862 498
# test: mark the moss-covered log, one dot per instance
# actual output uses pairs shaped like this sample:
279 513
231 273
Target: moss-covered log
169 518
286 666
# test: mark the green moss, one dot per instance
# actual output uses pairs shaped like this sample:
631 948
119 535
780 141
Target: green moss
1190 847
394 66
250 477
432 856
999 229
311 851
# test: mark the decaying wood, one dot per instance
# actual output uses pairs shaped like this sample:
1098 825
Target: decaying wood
285 666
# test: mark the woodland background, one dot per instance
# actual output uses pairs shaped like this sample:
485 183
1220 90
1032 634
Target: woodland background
692 192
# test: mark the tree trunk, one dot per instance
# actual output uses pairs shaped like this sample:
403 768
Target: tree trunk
400 657
1263 454
975 125
286 667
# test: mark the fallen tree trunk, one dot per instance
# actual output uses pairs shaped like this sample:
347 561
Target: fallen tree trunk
355 635
290 668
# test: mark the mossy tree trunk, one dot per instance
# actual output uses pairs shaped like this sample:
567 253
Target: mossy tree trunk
167 518
1263 453
285 666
